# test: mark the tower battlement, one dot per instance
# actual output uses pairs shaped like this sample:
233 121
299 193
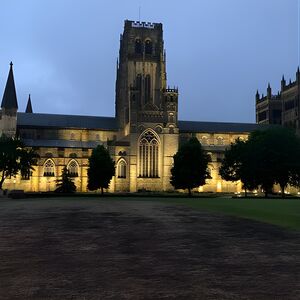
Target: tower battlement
142 25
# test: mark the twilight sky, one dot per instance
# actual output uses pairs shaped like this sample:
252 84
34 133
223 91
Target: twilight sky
218 52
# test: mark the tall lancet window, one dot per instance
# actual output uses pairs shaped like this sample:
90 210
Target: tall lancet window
138 46
148 47
148 155
73 168
122 168
49 168
138 86
147 88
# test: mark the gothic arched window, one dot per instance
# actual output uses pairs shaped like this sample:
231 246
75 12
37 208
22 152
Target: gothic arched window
73 168
147 88
204 140
138 46
220 141
121 169
148 155
49 168
148 47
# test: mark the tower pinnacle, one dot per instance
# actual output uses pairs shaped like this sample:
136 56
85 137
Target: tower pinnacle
9 100
29 106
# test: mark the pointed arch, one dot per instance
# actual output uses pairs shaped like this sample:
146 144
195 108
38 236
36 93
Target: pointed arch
148 46
122 168
148 154
220 141
73 168
49 168
138 46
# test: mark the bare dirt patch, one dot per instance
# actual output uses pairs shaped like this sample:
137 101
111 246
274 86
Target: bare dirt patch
108 249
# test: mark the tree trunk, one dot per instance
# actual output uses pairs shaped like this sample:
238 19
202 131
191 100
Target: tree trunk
102 191
282 190
1 182
246 193
266 194
190 192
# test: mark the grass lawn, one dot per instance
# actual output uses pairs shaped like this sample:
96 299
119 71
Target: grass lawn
282 212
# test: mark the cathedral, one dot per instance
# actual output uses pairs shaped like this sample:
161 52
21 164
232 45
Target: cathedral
142 137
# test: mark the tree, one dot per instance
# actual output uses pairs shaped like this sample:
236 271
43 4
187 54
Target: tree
238 164
268 157
101 169
190 167
277 150
65 184
14 157
28 159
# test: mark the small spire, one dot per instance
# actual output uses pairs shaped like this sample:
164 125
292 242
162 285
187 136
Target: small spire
282 78
269 91
298 70
257 95
29 106
9 99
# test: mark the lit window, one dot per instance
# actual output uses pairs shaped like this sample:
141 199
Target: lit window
49 168
220 141
122 169
148 155
73 168
204 140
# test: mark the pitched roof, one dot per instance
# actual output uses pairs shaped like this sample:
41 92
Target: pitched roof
29 106
61 143
221 127
9 99
65 121
110 123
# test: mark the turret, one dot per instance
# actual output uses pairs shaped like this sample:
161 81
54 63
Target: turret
269 91
298 76
29 106
257 96
9 106
283 83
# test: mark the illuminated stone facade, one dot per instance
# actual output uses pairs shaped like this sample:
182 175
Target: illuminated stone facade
142 138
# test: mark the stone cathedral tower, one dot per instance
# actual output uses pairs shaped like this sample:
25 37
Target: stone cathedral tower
146 109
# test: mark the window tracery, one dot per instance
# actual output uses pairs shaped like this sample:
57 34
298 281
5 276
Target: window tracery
73 168
49 168
148 155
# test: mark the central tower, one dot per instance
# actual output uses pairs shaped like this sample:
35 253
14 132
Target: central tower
146 109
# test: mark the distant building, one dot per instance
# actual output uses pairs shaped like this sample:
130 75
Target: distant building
283 108
142 137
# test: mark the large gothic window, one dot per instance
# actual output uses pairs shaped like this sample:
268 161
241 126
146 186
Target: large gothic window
49 168
148 155
73 168
122 169
147 88
138 46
